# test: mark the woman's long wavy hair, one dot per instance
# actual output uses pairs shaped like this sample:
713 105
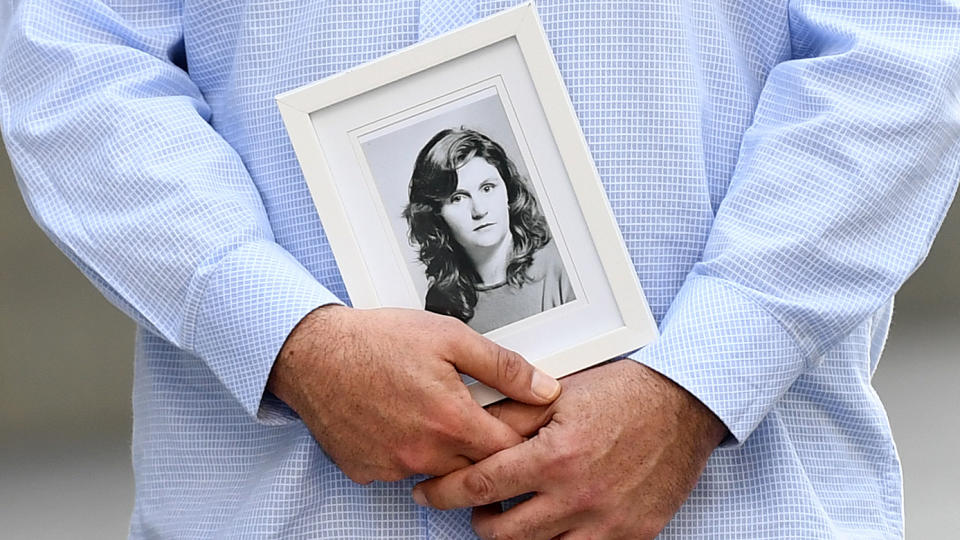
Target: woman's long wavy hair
453 280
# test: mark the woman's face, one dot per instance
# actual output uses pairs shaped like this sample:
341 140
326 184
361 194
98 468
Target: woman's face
477 212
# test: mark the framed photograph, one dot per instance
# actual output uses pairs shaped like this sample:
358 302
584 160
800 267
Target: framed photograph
453 176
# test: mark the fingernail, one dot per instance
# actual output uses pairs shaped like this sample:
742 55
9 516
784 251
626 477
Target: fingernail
543 385
419 497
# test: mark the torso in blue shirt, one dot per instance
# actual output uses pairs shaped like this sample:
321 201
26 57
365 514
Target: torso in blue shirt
768 199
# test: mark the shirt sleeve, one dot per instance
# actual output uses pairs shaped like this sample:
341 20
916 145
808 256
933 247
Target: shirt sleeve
112 147
842 181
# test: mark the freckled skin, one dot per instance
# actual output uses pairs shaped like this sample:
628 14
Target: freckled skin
614 458
380 390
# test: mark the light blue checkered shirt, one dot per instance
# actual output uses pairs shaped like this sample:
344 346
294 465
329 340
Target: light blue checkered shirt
777 169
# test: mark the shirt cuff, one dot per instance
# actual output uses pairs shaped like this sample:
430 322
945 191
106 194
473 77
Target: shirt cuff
248 306
726 350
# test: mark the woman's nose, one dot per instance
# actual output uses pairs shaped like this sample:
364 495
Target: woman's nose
477 211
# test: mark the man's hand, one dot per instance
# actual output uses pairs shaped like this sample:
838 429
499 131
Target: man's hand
620 451
379 390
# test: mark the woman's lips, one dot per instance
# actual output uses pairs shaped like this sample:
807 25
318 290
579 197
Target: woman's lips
482 226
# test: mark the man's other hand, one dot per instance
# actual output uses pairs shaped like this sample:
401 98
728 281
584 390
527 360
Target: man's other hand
617 455
380 390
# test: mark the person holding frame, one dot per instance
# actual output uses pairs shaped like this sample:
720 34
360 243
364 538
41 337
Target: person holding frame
778 170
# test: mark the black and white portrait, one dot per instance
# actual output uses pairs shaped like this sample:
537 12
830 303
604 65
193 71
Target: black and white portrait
461 201
454 177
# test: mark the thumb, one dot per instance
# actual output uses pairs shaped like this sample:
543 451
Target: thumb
504 370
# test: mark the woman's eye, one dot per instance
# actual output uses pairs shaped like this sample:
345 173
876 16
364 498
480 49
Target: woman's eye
456 198
487 188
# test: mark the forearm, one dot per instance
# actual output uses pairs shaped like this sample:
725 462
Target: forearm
842 182
119 165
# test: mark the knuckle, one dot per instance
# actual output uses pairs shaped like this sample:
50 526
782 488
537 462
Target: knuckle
558 446
452 327
509 365
479 487
568 451
448 422
410 460
457 433
446 332
583 499
561 452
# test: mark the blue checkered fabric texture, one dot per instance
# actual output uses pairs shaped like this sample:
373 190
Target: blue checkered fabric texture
777 170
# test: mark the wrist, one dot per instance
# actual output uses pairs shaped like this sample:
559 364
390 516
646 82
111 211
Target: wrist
690 412
713 429
304 352
706 427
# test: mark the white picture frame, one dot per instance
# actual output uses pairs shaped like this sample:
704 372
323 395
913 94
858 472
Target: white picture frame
357 135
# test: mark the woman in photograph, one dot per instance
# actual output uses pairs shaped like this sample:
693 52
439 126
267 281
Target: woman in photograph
488 253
